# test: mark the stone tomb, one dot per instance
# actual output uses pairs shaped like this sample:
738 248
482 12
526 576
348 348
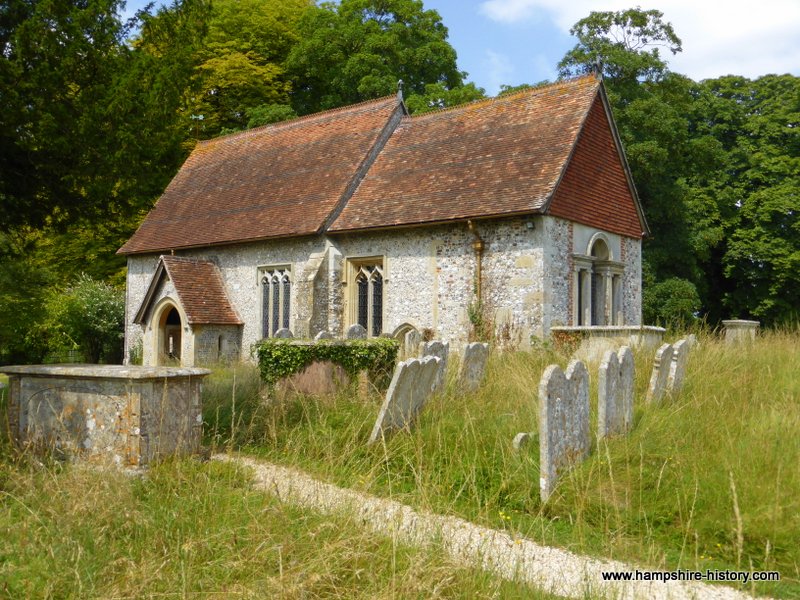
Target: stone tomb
473 366
127 416
660 377
615 393
411 387
440 350
677 371
563 422
740 330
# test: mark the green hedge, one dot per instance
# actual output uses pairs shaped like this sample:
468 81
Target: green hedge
279 358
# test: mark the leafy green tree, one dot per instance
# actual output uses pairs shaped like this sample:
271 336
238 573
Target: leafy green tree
673 302
88 316
357 50
438 95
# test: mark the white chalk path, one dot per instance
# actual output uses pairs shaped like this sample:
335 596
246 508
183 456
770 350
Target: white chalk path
550 569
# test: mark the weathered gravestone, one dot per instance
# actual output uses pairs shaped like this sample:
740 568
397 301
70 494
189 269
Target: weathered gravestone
411 342
661 368
677 370
440 350
563 422
283 333
473 366
407 394
740 330
356 332
615 393
323 335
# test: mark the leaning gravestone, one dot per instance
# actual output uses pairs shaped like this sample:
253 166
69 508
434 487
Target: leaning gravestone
323 335
442 351
473 366
658 380
283 333
356 332
677 370
563 422
411 342
615 393
521 440
407 394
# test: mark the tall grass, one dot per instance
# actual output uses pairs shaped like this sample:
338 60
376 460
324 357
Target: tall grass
708 479
192 530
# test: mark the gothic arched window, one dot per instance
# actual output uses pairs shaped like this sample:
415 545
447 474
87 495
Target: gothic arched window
276 294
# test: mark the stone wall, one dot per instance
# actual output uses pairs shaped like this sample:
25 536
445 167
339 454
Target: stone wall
429 279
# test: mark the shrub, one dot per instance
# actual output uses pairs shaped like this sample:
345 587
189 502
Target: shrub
673 303
88 316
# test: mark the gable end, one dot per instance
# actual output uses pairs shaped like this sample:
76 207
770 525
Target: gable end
596 188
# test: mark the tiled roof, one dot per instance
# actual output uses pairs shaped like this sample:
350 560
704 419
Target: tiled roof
200 290
274 181
492 157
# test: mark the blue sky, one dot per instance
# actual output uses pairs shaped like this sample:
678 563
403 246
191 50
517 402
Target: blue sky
521 41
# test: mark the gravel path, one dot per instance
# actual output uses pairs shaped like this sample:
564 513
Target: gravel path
551 569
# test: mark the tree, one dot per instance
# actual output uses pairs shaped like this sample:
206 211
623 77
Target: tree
437 95
358 50
241 64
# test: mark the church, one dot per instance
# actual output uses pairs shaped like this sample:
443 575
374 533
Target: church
516 214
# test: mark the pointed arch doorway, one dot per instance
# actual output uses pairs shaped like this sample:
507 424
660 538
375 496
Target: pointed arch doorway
169 339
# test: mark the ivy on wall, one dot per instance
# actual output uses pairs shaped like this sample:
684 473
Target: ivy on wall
279 358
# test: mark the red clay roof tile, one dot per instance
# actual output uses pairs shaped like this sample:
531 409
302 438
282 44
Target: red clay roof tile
492 157
277 180
200 290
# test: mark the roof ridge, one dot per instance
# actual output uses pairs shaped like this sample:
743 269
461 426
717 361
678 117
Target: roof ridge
295 121
501 98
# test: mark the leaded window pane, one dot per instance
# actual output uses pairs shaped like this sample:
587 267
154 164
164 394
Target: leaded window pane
377 304
276 303
287 288
265 305
363 301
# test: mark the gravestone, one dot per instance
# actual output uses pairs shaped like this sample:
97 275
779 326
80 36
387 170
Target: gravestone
677 371
408 392
615 393
323 335
691 339
442 351
661 368
356 332
283 333
521 440
563 422
473 366
411 342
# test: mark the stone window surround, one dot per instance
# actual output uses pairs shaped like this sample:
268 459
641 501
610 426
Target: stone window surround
611 271
354 264
268 272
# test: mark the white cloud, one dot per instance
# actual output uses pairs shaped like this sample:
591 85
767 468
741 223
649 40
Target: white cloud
735 36
499 69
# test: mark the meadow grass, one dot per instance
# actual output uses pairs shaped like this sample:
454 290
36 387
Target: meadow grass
706 480
194 530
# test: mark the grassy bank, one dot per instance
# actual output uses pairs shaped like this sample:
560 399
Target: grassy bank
191 530
708 480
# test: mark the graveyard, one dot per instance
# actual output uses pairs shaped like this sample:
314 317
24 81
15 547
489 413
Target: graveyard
700 477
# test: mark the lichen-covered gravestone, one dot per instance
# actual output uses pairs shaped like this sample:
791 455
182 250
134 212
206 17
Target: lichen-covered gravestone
661 368
411 342
615 393
473 366
356 332
408 392
563 422
284 333
441 350
323 335
677 370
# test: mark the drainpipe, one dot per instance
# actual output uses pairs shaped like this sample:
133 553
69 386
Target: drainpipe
477 246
